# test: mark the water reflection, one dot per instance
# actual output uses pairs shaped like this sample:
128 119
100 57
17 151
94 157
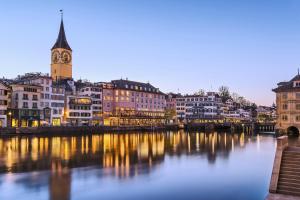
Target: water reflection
123 155
119 151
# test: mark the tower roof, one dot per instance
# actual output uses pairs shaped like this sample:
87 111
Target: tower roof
61 41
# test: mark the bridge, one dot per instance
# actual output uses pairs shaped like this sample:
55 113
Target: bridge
247 127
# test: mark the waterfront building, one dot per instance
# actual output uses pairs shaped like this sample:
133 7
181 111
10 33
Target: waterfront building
170 111
25 105
108 104
288 105
198 108
51 97
171 100
132 103
78 110
61 57
94 91
4 103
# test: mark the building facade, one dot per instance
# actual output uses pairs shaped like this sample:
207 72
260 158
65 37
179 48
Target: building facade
288 106
78 110
94 91
132 103
4 103
25 108
198 108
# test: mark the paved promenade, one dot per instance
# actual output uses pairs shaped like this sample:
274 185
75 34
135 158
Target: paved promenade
281 197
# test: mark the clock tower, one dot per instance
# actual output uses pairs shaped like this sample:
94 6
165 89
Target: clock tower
61 57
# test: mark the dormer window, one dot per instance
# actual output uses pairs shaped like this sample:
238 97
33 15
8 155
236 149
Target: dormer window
297 84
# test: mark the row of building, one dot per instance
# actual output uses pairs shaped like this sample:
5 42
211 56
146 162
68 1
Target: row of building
35 99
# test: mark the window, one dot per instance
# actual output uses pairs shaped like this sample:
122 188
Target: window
297 106
284 95
284 117
27 89
34 97
3 92
284 106
298 118
3 102
34 105
25 96
25 104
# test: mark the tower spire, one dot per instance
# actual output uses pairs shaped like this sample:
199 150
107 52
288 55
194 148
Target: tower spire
61 41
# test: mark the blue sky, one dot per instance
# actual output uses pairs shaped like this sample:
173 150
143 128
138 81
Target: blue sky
175 45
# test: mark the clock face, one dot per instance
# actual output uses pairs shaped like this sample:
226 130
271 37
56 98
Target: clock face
55 56
66 57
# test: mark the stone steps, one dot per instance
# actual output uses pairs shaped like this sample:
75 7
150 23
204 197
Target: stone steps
289 175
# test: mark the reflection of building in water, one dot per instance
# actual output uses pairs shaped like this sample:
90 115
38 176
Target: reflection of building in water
127 154
59 182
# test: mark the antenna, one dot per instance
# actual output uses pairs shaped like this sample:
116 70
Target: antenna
298 71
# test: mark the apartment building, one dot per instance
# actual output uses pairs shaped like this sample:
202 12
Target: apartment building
94 91
78 110
132 103
198 108
51 100
4 103
25 105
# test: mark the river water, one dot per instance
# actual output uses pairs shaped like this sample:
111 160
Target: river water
163 165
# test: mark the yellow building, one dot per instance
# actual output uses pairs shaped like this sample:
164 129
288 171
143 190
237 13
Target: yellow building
288 106
61 57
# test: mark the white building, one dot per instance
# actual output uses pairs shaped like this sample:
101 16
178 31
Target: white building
4 102
25 107
51 100
196 107
94 91
78 110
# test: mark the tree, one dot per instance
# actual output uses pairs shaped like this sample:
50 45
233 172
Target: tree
170 113
253 108
224 93
235 96
200 92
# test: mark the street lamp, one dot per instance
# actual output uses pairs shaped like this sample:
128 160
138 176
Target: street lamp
10 122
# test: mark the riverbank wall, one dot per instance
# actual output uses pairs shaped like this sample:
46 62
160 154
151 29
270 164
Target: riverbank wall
71 130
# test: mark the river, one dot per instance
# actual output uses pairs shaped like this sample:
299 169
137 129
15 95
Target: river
160 165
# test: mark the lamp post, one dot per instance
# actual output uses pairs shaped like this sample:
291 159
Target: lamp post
9 116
